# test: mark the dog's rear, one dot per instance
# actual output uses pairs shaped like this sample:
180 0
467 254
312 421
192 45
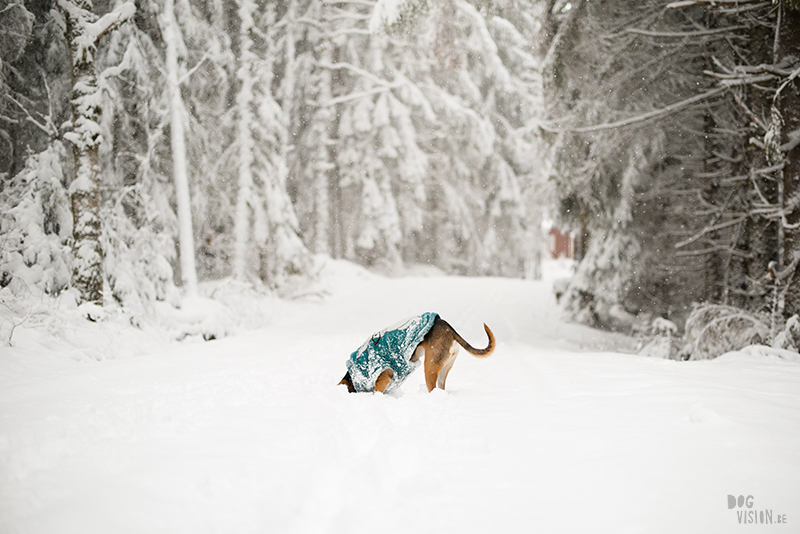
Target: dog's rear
440 349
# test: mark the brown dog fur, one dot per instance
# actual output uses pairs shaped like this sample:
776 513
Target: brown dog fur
439 348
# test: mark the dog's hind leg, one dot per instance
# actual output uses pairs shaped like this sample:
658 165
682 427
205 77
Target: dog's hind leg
383 381
432 370
451 359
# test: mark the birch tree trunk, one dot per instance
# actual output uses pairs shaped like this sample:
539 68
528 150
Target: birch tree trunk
84 30
171 34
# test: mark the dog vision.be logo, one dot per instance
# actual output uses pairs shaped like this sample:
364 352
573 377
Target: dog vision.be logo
747 514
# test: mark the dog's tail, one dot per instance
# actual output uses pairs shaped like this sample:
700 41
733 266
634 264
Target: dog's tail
480 353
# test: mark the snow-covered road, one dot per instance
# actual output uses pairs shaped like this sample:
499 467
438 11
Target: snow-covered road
250 434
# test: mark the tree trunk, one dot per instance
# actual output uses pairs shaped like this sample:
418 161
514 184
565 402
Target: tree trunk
171 35
322 163
789 106
763 231
243 102
83 32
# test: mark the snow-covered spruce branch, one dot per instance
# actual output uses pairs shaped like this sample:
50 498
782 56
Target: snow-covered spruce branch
709 229
193 69
355 96
780 276
351 31
311 22
48 127
677 106
738 10
345 15
786 82
792 205
713 3
92 32
791 144
754 182
680 35
365 3
738 79
110 21
355 69
755 119
563 30
777 70
714 248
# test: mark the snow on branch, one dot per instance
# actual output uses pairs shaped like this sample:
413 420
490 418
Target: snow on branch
356 70
713 329
708 229
679 35
109 21
46 125
365 3
786 82
391 15
355 96
693 3
726 83
384 14
90 30
677 106
12 6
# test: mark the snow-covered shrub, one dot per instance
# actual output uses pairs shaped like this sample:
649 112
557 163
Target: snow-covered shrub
603 279
663 342
789 339
714 329
137 261
36 224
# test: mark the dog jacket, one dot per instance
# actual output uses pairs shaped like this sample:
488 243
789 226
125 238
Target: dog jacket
391 348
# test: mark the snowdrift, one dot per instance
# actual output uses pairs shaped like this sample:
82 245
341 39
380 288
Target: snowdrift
105 427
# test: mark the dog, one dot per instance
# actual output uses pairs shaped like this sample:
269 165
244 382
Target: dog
385 360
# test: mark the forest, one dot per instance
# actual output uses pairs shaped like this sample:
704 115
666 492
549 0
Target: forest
148 147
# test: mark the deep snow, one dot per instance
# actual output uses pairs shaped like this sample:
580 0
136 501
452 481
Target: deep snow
106 428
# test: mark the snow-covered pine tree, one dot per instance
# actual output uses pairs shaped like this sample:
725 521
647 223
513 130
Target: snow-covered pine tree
263 205
440 113
84 29
16 30
137 247
677 85
36 225
311 169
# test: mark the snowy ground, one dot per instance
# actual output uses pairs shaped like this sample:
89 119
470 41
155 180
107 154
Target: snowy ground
110 429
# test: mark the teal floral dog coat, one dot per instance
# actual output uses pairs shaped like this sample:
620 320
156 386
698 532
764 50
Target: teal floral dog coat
391 348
